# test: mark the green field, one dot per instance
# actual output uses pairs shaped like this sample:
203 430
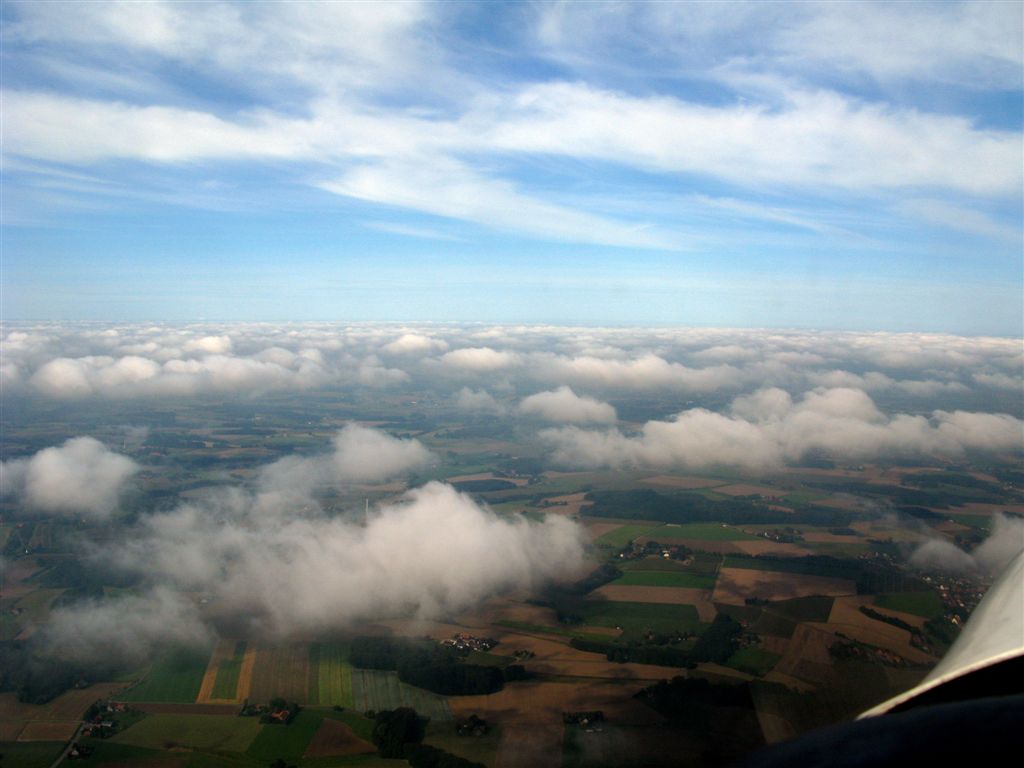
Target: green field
334 674
753 661
374 689
109 751
981 522
640 617
175 677
620 537
285 741
227 733
32 754
666 579
926 604
225 685
706 532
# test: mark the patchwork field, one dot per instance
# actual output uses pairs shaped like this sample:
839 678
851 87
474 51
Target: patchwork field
735 585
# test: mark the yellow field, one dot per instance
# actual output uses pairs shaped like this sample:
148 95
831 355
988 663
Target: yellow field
221 651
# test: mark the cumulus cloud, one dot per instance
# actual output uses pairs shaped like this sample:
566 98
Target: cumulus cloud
126 629
563 404
82 476
415 343
768 429
989 558
433 552
360 455
478 359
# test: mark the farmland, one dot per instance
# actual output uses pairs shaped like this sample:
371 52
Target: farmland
638 578
174 677
334 674
281 670
375 690
285 741
792 580
925 604
228 733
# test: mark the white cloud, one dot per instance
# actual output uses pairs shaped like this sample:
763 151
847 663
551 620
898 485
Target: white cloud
479 359
82 476
563 404
768 429
360 455
1004 542
128 629
432 553
415 343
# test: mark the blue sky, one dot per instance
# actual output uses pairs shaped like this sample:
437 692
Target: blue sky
835 165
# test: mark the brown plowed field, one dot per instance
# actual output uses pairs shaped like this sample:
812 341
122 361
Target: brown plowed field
335 739
281 670
45 730
764 546
735 585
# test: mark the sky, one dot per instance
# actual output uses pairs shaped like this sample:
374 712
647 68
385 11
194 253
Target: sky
850 166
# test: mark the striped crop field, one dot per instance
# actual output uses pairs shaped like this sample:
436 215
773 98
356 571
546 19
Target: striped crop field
225 685
376 690
333 673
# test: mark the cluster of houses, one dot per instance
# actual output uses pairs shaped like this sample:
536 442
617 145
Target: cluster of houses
474 726
278 711
100 722
785 535
587 720
465 643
